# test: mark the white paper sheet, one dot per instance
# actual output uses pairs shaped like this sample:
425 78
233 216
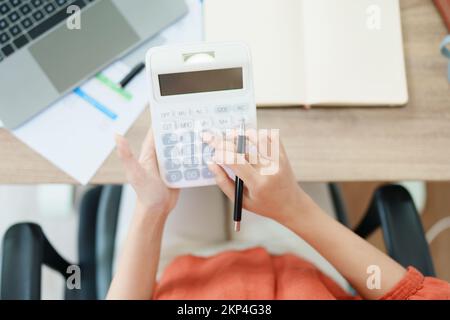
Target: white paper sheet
75 135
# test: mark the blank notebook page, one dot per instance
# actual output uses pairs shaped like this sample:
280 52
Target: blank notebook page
274 34
317 51
352 62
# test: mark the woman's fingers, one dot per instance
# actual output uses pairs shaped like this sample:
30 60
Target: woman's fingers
223 181
225 154
133 169
262 140
259 151
238 164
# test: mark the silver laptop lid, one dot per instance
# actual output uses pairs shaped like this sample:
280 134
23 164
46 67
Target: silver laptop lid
59 59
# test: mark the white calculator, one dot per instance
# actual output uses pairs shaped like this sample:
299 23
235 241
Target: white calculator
193 89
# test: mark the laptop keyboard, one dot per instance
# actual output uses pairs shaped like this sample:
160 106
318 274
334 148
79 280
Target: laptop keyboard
22 21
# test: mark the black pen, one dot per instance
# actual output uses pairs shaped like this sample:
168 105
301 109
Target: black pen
238 183
132 74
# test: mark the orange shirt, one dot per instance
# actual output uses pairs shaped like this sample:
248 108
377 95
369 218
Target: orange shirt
255 274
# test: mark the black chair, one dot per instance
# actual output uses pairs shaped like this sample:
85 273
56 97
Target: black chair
26 249
392 209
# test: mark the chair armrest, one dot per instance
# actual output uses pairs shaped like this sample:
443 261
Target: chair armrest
107 217
393 209
87 227
25 250
339 206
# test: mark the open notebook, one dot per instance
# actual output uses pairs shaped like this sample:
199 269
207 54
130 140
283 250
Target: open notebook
317 52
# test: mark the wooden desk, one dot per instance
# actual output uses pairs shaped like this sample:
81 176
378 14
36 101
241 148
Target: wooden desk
327 144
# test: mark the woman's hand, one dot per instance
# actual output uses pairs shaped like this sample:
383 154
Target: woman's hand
271 193
135 277
153 195
278 196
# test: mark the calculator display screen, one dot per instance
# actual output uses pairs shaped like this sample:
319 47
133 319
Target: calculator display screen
200 81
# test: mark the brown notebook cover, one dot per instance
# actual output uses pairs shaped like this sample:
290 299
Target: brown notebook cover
444 9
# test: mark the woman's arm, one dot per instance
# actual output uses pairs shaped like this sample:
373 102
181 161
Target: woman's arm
138 264
135 277
347 252
278 196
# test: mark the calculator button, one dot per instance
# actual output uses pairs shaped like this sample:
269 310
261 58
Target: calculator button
171 152
199 111
224 122
222 109
174 176
191 162
189 150
205 123
185 124
241 108
166 115
192 174
207 174
207 153
182 113
168 126
169 139
172 164
188 137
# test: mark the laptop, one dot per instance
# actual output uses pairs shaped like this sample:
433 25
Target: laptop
44 55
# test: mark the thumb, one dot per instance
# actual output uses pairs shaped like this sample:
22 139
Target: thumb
148 154
133 169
